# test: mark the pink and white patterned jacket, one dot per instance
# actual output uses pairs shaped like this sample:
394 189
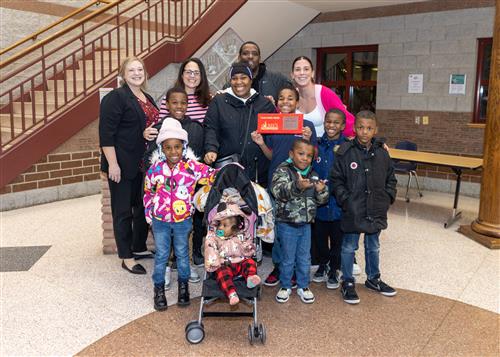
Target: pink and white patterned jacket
168 192
233 249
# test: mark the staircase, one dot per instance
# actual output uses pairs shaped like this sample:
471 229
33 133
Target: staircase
53 86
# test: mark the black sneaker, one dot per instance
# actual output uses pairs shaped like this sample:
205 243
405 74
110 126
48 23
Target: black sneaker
333 281
321 274
274 278
349 293
380 287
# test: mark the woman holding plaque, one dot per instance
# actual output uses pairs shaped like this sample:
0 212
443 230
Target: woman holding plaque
316 99
230 120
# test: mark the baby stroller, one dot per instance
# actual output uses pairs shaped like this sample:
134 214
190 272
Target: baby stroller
231 179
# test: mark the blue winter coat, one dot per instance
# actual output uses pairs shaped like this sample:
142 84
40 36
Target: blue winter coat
322 165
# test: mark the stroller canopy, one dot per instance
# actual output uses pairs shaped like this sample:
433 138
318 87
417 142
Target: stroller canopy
232 175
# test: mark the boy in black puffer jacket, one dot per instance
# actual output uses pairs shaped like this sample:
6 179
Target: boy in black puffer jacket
364 185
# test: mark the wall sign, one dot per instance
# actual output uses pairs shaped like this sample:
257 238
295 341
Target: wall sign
457 83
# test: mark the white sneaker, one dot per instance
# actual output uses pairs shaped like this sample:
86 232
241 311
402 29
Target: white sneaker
195 277
283 295
356 270
306 295
168 272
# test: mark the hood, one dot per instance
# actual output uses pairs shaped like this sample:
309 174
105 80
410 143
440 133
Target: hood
231 93
231 210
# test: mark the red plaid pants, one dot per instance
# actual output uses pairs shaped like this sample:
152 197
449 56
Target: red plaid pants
225 274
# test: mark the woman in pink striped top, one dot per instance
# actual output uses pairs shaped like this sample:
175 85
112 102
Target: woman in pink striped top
193 78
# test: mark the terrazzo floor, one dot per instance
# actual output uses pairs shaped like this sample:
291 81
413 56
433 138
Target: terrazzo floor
74 300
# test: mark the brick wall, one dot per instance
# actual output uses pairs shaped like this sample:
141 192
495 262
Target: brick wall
57 169
108 236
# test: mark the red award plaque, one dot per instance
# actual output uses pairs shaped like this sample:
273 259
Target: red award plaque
274 123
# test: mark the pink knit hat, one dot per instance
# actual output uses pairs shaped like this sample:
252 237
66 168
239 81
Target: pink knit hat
171 129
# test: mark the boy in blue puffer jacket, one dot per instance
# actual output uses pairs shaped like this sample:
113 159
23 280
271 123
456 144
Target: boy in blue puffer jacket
327 223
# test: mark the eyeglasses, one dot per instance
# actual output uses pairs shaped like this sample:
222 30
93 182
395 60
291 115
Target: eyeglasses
190 73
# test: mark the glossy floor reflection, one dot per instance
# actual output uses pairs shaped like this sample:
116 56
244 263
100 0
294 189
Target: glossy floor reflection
73 295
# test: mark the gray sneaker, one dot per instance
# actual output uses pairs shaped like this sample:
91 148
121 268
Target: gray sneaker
283 295
321 274
195 277
333 281
306 295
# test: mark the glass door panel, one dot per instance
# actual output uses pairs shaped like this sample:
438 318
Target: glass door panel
335 67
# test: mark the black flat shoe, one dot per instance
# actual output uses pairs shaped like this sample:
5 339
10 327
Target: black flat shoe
136 269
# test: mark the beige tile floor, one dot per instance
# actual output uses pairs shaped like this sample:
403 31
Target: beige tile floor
74 295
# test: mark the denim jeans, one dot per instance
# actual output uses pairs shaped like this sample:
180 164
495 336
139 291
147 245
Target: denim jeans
163 233
372 248
295 251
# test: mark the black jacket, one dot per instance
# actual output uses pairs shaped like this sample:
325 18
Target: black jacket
195 139
267 82
364 185
121 123
227 121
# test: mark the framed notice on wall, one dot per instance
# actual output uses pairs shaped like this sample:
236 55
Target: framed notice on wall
416 83
457 83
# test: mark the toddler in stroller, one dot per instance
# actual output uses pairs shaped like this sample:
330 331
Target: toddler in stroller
229 248
231 272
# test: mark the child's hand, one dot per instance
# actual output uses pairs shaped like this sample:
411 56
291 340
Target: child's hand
150 133
306 133
271 99
303 183
320 185
257 138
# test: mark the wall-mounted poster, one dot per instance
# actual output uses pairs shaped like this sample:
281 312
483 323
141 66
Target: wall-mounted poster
457 83
416 83
218 58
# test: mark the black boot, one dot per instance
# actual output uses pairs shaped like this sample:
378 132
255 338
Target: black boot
160 300
183 294
198 259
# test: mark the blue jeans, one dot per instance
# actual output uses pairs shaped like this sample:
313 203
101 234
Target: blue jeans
163 233
295 252
372 248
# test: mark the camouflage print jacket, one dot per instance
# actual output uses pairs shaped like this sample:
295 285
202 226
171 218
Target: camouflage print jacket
292 204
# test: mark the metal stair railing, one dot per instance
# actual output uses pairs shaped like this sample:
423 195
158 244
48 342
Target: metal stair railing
75 61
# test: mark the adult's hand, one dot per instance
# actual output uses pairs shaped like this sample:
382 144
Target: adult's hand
114 173
210 157
150 133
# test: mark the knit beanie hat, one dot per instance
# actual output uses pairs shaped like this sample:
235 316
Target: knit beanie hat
171 129
240 67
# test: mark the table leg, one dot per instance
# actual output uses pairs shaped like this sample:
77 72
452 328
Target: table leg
455 215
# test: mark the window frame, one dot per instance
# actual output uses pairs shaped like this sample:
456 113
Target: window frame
348 83
482 43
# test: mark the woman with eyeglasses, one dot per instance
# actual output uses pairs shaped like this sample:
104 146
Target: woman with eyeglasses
193 78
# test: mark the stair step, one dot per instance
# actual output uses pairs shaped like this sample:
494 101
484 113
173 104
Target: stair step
98 65
5 123
28 108
105 55
69 85
88 74
51 95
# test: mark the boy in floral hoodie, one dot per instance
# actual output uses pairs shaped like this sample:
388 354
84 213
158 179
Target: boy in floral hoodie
229 249
168 193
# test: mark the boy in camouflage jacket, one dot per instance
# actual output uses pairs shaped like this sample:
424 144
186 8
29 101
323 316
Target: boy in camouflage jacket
298 192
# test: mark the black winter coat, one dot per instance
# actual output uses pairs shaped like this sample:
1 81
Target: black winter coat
121 123
364 185
227 121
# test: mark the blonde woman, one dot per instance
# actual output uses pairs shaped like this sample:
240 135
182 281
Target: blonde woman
124 113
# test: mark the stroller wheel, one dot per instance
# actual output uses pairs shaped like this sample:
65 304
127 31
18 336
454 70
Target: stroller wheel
262 333
251 335
195 332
